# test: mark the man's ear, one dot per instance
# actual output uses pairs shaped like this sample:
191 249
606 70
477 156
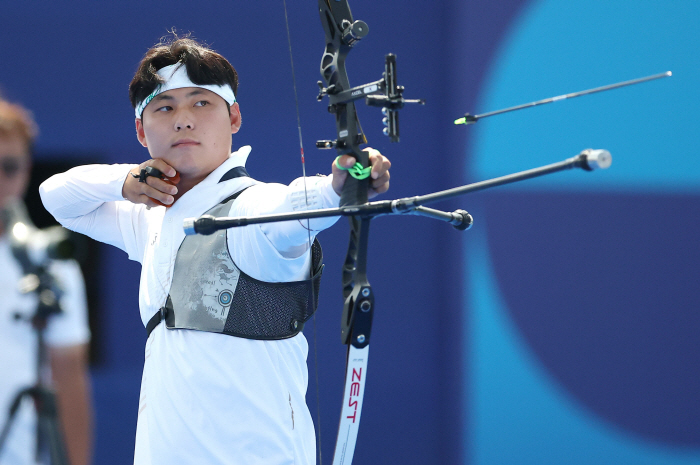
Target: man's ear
235 118
140 134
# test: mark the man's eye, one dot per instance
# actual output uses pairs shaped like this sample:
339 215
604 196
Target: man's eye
202 103
164 108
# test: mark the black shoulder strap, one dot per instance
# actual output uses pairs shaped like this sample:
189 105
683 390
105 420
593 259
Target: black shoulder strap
233 196
237 172
155 321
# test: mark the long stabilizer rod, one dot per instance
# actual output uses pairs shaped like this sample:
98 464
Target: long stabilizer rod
588 160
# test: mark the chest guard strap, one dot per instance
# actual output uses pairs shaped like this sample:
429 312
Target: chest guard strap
210 293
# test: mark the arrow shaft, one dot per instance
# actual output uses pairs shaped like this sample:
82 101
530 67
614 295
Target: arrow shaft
617 85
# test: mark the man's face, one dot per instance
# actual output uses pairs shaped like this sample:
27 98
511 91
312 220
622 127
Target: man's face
15 164
190 129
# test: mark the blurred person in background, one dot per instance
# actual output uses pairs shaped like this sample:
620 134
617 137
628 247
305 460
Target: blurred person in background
66 334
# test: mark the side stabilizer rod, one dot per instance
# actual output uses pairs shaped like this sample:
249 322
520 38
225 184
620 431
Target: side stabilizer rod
588 160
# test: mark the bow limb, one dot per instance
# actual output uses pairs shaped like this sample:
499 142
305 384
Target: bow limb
341 34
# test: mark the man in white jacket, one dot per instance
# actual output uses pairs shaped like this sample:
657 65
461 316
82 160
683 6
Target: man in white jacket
66 335
207 395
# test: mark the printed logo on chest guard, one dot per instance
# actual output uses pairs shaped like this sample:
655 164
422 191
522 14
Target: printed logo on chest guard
225 298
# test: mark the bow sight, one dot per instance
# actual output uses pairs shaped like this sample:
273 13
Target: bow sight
384 93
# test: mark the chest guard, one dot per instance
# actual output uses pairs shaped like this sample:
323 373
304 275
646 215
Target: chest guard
210 293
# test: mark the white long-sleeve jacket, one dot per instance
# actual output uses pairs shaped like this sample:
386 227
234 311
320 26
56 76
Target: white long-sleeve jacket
205 397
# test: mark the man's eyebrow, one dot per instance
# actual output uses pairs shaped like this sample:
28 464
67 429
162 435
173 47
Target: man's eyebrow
170 97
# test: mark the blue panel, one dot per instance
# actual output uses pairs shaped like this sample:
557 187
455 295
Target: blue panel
603 289
520 414
585 304
116 399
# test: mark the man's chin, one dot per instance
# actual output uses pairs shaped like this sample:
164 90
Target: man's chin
180 163
191 163
185 169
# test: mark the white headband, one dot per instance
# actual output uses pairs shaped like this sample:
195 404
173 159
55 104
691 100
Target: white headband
176 77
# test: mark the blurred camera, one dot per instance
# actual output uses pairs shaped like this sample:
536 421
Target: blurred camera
34 246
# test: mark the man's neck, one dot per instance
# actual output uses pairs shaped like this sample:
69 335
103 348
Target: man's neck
187 182
185 185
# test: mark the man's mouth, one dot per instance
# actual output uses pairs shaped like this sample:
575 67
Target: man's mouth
185 142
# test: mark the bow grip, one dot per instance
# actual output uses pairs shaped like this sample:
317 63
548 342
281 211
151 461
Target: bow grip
355 191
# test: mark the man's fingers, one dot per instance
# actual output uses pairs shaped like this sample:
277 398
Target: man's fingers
161 185
380 164
346 161
375 192
379 186
174 180
147 201
155 191
378 183
161 166
155 194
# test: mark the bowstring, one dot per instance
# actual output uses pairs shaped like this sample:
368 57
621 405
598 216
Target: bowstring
308 230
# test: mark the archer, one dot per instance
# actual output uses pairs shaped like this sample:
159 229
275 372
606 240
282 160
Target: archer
225 377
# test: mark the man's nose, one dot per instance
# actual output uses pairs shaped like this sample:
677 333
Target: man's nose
184 120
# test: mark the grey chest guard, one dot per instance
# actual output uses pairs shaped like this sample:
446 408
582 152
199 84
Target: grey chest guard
210 293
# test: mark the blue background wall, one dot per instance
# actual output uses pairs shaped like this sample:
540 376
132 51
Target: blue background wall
559 329
584 305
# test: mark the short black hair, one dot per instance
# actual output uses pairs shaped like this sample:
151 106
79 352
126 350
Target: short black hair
204 66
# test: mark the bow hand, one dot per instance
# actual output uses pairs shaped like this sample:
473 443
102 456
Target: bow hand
379 174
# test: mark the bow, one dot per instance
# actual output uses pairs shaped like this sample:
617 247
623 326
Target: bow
342 33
